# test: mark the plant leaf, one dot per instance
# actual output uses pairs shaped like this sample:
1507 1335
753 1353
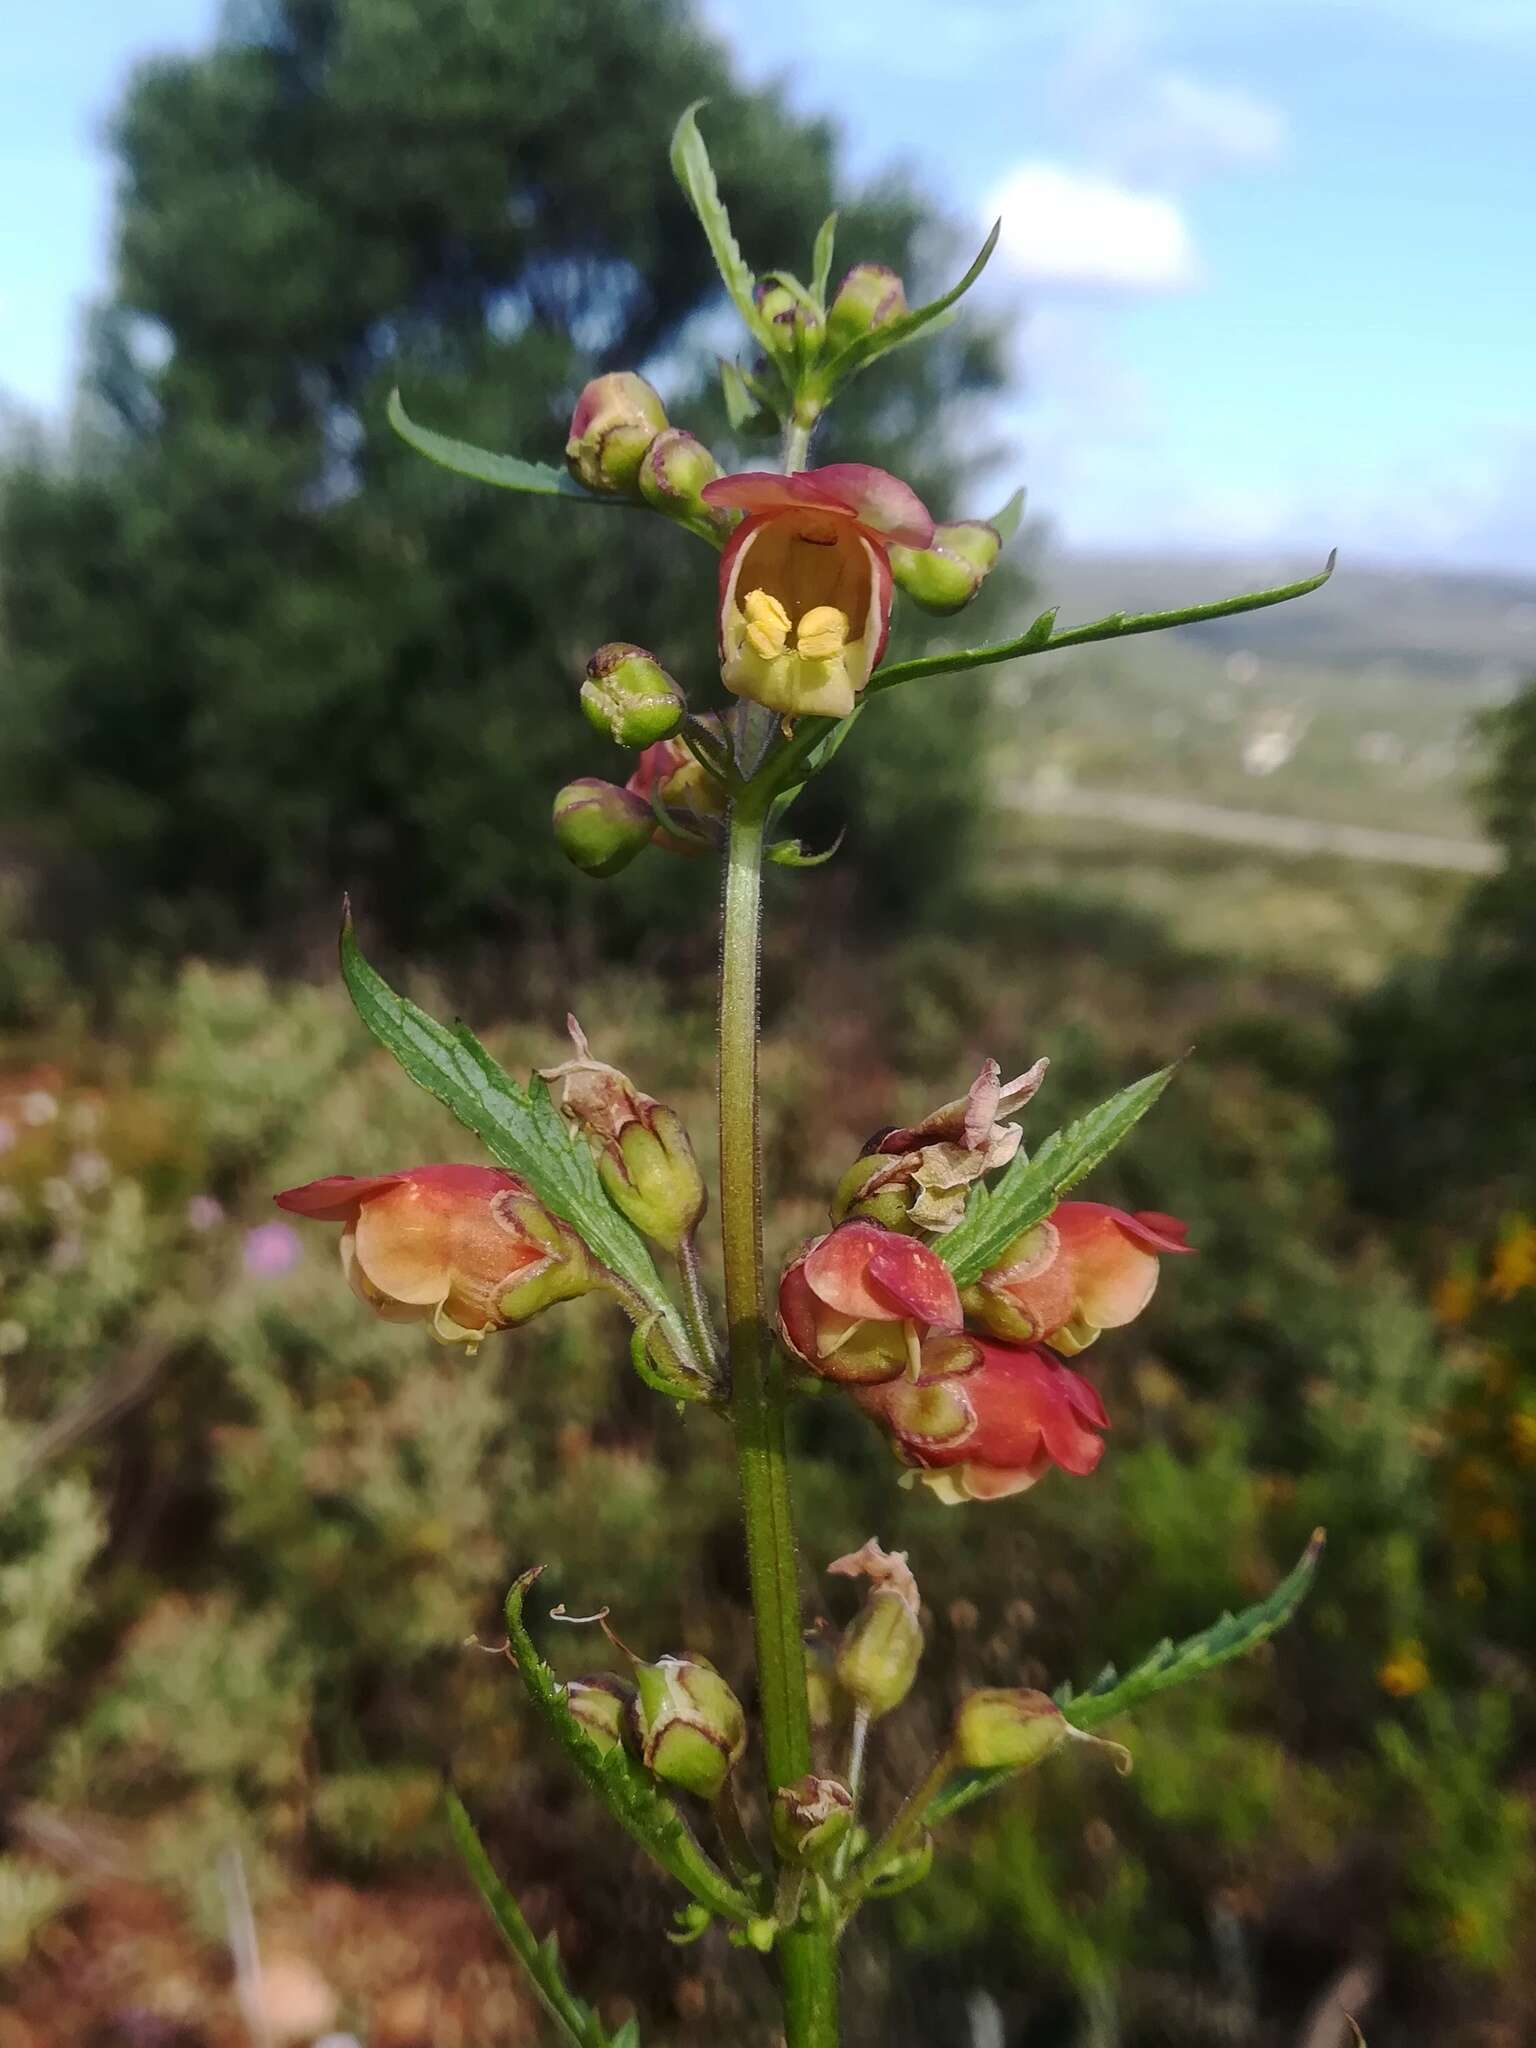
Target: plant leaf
1033 1185
624 1788
1005 524
1170 1664
1041 635
922 319
747 405
519 1127
509 471
821 259
576 2021
695 173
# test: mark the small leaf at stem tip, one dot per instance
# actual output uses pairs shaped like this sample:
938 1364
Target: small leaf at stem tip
509 472
791 853
821 259
695 173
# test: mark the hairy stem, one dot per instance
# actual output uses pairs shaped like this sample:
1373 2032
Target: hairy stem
807 1961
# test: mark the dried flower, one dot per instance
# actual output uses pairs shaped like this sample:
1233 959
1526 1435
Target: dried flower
920 1176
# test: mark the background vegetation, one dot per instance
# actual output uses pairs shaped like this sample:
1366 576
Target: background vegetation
252 652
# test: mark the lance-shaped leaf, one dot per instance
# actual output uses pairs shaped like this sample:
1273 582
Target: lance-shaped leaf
1041 635
821 259
520 1127
695 173
1005 524
1170 1664
509 472
574 2019
749 406
1032 1185
906 327
619 1782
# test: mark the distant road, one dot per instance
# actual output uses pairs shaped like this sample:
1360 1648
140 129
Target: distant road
1257 828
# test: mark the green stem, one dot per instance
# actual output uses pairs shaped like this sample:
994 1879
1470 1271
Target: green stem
808 1962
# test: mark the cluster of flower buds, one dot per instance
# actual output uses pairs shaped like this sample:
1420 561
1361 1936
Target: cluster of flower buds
968 1385
677 1716
620 445
670 800
468 1249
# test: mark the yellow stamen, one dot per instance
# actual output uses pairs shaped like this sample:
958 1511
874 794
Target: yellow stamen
822 633
767 623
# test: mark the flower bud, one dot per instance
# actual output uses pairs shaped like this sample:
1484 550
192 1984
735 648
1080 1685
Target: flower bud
810 1818
689 1724
1007 1728
796 321
604 1706
616 419
869 296
470 1249
855 1305
874 1189
882 1646
673 775
676 468
947 574
629 697
821 1696
1086 1268
644 1158
601 828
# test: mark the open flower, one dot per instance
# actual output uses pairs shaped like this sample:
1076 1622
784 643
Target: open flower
856 1304
470 1249
805 582
1086 1268
985 1420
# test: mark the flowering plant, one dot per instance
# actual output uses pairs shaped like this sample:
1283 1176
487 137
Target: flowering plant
955 1277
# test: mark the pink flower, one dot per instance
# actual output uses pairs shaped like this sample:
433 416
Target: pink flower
668 772
984 1420
469 1249
1086 1268
805 581
855 1305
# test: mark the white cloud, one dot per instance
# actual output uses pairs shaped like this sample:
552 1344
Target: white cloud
1182 126
1063 226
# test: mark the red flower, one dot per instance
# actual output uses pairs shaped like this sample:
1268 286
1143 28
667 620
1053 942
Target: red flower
469 1249
856 1304
671 774
1087 1268
805 581
983 1420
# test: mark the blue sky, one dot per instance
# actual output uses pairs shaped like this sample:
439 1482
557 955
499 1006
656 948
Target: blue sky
1271 264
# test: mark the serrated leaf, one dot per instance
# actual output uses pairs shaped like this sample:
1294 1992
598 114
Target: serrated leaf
821 259
1170 1664
624 1788
1035 639
1033 1185
891 334
509 472
696 174
519 1127
575 2019
1005 524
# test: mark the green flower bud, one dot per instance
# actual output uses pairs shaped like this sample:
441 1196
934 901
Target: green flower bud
869 296
617 417
947 574
888 1204
882 1646
644 1158
676 468
599 827
810 1818
604 1706
788 308
1005 1728
689 1724
821 1693
629 697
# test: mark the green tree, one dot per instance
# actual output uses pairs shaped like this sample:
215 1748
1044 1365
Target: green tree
256 651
